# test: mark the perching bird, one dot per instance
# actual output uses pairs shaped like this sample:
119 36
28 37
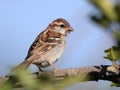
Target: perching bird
48 46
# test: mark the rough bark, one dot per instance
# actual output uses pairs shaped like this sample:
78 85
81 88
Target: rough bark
89 73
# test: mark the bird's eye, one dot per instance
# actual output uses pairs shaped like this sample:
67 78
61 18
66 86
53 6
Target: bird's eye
62 25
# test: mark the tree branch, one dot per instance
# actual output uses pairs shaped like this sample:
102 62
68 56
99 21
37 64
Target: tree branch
90 73
93 73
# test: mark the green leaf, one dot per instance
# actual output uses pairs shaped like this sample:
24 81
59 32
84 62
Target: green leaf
101 20
114 84
107 9
6 86
113 53
26 79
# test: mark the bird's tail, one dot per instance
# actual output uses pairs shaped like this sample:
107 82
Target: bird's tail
23 66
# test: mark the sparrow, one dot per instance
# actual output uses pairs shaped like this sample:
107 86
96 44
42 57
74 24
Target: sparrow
48 46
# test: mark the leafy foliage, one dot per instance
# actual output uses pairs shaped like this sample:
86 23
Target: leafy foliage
109 18
114 84
113 53
23 80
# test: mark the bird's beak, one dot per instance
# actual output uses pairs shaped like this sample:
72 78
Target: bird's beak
69 29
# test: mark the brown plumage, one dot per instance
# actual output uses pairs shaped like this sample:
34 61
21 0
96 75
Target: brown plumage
48 46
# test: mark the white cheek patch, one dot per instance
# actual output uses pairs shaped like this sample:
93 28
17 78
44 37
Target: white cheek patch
60 30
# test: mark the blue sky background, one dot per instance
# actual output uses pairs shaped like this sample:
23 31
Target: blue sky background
22 20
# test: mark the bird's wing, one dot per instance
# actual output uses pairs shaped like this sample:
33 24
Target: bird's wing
44 42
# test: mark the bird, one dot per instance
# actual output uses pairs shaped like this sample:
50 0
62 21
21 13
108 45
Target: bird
48 46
